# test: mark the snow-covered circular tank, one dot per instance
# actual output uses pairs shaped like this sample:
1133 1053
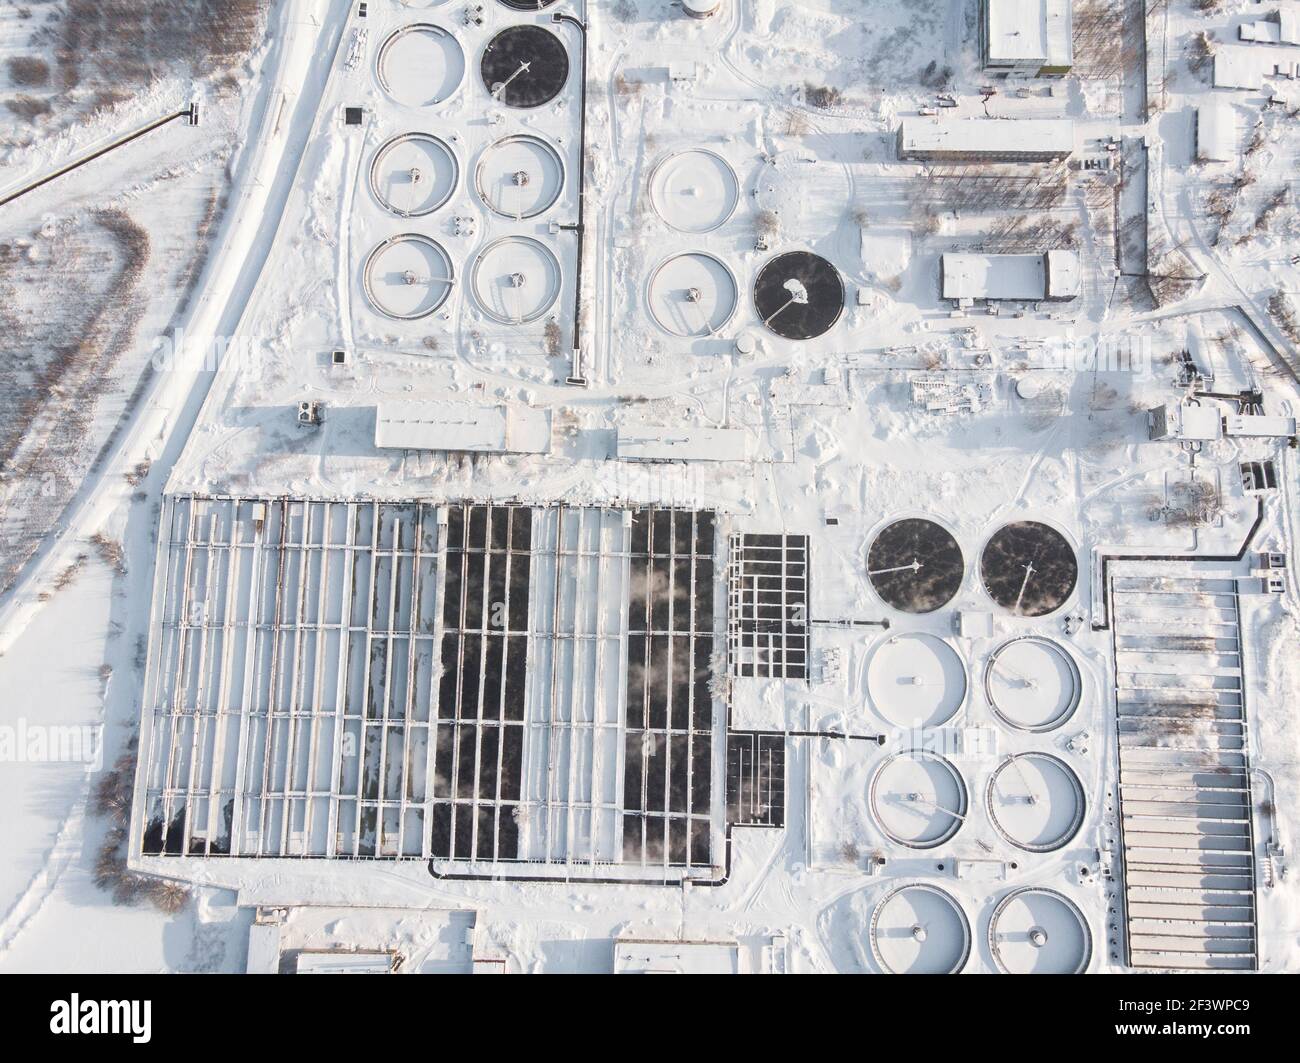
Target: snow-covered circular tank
516 280
920 929
1033 683
919 799
520 176
1036 802
693 294
916 680
421 65
701 8
408 277
695 191
1039 931
414 175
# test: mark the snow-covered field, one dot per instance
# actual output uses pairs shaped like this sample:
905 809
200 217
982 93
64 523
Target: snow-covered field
712 147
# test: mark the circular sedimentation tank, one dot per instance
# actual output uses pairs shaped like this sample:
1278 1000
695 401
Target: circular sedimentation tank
693 294
408 277
916 566
520 176
527 5
919 799
516 280
421 65
920 929
916 680
695 191
1036 802
414 175
1029 568
525 66
1039 931
799 295
701 8
1033 683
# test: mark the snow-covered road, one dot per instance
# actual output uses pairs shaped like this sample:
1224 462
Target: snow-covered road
305 37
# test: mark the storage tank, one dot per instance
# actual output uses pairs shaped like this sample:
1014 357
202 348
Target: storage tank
701 8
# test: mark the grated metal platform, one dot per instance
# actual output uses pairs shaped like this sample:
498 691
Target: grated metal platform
1184 771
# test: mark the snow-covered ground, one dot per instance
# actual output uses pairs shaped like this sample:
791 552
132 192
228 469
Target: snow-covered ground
797 105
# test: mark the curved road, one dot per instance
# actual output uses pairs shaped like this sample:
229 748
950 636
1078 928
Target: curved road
305 40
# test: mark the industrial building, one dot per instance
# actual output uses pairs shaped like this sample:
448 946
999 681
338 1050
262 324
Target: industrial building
1052 275
1027 38
1216 132
985 140
462 427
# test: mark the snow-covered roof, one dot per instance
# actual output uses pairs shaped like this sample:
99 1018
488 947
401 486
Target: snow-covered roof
1238 68
263 949
994 276
1260 425
1185 420
982 136
1285 30
1216 131
462 426
1064 275
645 442
336 961
1021 31
1289 25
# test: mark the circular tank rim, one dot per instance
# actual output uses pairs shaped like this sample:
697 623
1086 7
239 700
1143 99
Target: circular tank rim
875 531
943 895
927 636
394 142
401 238
1076 673
1073 908
402 31
483 53
920 754
1081 806
536 315
839 313
1046 522
513 138
667 261
735 184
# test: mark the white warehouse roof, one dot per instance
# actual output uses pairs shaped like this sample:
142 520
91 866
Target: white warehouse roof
1238 68
1054 275
1286 30
462 426
994 276
1216 132
988 136
1030 31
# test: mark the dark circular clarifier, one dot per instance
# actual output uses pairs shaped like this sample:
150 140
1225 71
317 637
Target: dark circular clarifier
527 5
525 66
799 295
916 565
1029 568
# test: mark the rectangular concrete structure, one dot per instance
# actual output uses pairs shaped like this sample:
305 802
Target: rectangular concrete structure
1027 38
462 426
480 686
1053 275
926 139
